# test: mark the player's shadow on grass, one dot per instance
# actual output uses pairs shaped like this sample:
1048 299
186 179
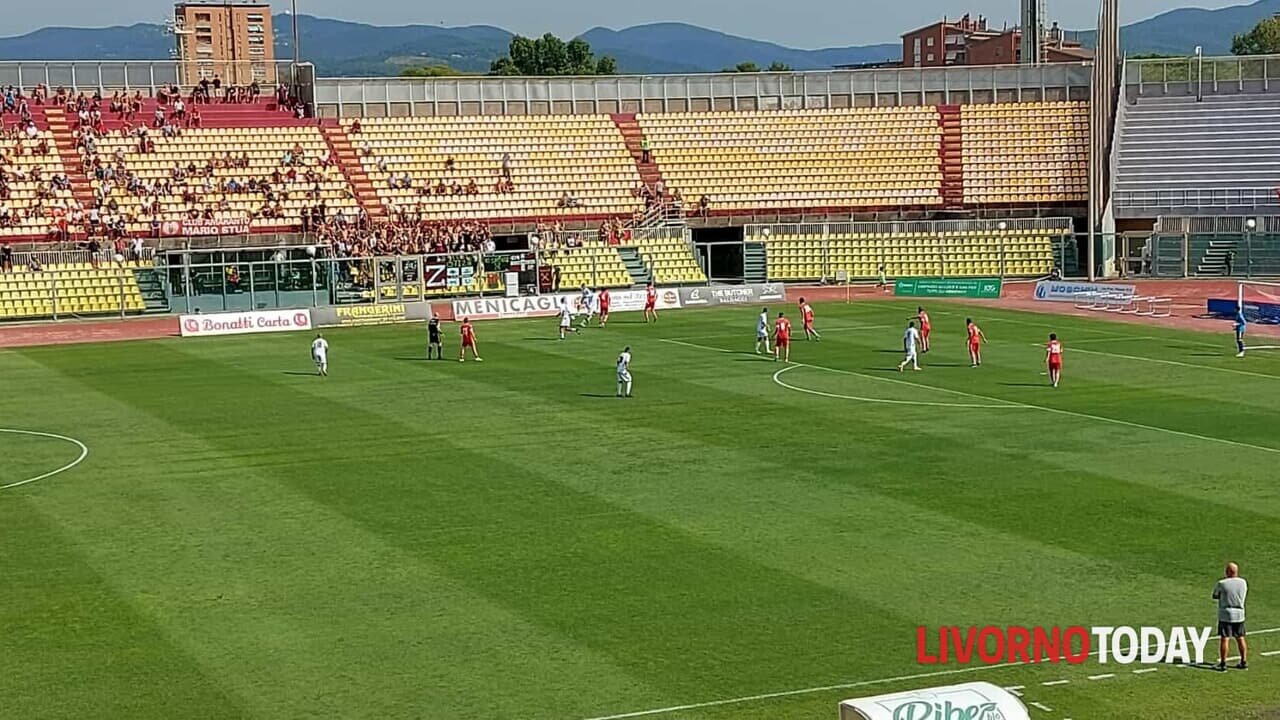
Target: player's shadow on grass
541 339
596 395
1024 384
300 373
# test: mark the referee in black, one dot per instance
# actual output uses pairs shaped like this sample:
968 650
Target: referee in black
1230 592
433 337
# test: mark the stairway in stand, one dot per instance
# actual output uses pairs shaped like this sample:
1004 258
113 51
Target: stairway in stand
349 163
64 141
633 135
951 156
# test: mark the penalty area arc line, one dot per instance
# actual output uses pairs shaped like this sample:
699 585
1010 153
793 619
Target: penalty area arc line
846 686
1014 403
84 453
777 379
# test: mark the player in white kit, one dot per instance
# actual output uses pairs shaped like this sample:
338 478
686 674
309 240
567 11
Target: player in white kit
566 319
320 354
588 305
624 372
909 341
762 330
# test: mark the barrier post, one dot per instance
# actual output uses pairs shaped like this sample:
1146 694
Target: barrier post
1186 252
53 292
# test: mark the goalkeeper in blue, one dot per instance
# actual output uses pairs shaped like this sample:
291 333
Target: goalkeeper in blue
1240 328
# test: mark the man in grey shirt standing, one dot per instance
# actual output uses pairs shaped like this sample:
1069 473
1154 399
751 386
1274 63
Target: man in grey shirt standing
1230 593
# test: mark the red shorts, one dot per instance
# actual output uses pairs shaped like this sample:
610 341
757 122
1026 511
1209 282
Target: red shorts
648 306
604 309
924 331
973 347
1055 364
468 342
783 341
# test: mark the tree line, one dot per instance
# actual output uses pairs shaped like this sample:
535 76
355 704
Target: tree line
552 56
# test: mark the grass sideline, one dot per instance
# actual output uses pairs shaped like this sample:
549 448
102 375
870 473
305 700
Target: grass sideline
435 539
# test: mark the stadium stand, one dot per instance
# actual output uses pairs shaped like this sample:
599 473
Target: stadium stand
69 289
594 263
810 252
499 167
669 258
1017 153
864 157
1177 153
35 192
272 176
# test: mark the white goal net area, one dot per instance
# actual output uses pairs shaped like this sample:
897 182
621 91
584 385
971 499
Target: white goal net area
1260 303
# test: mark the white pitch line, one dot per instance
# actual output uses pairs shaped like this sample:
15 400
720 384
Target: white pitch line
1012 403
84 453
1177 363
1052 683
1269 653
777 378
1143 671
1016 689
1041 706
848 686
1114 339
1103 676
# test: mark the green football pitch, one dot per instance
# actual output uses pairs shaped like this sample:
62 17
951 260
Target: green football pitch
413 539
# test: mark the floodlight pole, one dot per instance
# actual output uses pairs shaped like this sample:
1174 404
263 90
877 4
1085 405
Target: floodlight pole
293 72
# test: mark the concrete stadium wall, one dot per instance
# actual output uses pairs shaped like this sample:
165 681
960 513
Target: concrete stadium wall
403 97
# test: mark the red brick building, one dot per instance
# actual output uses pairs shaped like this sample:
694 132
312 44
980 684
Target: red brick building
971 42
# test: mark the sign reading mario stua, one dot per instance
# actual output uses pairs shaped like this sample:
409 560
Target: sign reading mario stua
241 323
175 228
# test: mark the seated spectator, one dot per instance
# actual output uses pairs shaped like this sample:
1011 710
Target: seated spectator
472 188
449 163
355 127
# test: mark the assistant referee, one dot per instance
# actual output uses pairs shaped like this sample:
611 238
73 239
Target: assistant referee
1230 592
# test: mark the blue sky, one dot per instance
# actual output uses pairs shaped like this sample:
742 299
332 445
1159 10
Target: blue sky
796 23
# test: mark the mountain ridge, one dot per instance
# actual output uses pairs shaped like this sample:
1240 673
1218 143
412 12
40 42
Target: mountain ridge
341 48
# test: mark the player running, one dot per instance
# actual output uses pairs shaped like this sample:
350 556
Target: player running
1240 326
762 330
433 337
604 306
782 338
806 321
909 341
922 317
320 355
976 338
1053 354
624 372
650 303
566 319
588 305
468 341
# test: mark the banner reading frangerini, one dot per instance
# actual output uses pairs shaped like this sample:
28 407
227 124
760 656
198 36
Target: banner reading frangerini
947 287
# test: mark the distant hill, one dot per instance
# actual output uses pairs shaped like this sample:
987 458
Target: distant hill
1178 32
341 48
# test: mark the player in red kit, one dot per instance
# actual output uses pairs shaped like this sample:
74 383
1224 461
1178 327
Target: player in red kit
782 338
468 341
1053 354
604 306
806 321
651 303
923 318
976 338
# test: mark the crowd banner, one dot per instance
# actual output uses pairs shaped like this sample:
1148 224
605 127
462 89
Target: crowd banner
947 287
174 228
381 314
731 295
1067 291
971 701
242 323
633 300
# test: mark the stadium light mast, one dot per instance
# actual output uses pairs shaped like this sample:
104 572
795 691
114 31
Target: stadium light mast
1033 15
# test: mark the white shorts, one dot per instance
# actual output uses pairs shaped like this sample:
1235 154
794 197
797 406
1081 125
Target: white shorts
911 356
320 358
624 376
762 334
566 324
